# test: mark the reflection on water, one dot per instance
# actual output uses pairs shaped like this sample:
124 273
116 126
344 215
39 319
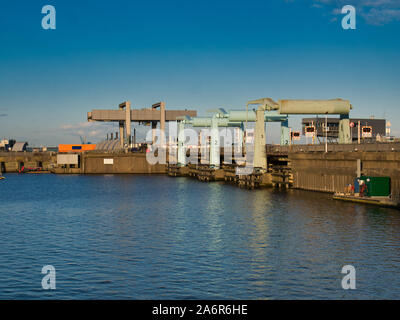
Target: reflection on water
148 237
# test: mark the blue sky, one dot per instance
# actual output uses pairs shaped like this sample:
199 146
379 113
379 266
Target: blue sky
191 54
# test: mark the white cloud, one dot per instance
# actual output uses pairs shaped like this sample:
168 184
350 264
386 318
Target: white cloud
381 16
91 130
377 12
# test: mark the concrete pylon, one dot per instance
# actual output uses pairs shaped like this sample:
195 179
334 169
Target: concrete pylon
344 129
128 122
153 131
285 133
162 121
181 147
260 156
160 105
214 144
125 126
121 133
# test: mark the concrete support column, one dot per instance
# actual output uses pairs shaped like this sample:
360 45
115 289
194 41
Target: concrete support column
260 156
238 140
214 144
121 133
125 125
181 147
153 131
344 129
285 133
242 142
128 122
162 121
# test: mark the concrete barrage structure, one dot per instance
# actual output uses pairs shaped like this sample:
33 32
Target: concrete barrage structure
124 115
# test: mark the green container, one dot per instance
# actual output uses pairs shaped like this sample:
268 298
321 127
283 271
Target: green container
377 186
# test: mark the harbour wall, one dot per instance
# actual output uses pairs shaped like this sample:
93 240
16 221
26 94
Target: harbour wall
333 171
88 163
14 161
119 163
309 167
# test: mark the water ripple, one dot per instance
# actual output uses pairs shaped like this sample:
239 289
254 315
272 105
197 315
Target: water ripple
155 237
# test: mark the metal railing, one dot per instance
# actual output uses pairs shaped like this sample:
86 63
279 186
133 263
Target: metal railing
352 147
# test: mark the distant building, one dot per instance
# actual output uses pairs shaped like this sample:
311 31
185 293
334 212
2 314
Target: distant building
75 147
109 145
20 146
6 145
39 149
372 127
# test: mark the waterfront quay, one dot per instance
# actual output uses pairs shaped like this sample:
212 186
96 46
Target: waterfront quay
306 167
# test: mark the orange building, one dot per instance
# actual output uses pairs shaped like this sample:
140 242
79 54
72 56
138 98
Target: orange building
75 147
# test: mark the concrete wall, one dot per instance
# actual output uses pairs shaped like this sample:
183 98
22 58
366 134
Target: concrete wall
90 163
67 159
333 171
122 163
11 161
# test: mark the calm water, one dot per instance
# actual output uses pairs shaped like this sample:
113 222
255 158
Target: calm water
156 237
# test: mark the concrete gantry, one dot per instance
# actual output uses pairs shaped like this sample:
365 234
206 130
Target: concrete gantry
286 107
124 115
325 107
265 106
213 123
233 118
